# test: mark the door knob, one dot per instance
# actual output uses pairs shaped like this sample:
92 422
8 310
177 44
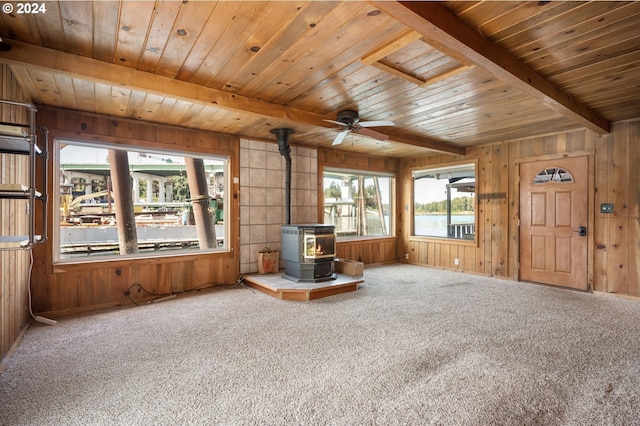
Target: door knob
582 231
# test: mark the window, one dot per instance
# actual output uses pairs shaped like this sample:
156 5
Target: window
444 202
172 202
553 175
359 204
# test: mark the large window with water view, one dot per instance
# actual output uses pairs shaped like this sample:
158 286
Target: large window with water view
359 204
124 201
445 202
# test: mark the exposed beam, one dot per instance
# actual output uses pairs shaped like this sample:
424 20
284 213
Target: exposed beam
446 32
53 61
397 43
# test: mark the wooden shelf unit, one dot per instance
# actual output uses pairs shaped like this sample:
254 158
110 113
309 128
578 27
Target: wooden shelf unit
22 139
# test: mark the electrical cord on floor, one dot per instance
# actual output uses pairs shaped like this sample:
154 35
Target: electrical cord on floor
38 318
157 297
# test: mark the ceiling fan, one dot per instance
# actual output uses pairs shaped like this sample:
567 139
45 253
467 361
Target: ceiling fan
350 122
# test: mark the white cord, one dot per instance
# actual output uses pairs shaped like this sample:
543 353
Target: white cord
38 318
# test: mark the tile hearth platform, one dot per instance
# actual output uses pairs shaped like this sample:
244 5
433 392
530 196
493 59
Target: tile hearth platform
277 286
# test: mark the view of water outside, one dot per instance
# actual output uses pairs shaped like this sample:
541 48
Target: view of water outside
430 197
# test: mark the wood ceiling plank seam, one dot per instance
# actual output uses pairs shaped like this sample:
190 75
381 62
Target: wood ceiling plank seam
436 22
351 40
85 94
106 21
179 109
103 98
610 96
49 27
150 106
397 73
533 26
579 36
461 7
321 76
391 46
518 15
614 82
452 91
248 63
26 82
510 122
65 89
322 98
591 56
208 39
486 13
46 86
77 18
135 20
300 52
192 18
597 70
460 69
161 29
165 109
20 25
474 107
136 99
461 106
193 110
544 27
377 97
230 41
119 99
425 63
279 43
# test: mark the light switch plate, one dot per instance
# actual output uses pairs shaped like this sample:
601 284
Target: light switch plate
606 208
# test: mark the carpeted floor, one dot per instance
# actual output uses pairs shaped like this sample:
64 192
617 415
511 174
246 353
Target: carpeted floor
413 346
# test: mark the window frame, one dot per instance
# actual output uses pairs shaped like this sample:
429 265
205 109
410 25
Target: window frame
435 167
56 193
391 232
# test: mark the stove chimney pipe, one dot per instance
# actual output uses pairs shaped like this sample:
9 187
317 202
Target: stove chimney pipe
282 135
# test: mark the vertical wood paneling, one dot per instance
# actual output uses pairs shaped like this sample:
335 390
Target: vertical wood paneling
615 238
634 210
66 289
14 265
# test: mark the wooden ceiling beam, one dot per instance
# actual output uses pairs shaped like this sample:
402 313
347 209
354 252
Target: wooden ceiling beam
446 32
32 56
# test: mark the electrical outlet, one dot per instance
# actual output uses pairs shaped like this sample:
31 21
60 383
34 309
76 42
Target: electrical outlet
456 261
406 255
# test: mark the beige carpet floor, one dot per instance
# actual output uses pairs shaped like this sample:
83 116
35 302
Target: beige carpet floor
413 346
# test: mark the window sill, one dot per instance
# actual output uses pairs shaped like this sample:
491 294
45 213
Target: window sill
371 238
457 241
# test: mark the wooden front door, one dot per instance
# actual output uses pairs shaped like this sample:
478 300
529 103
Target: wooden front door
553 222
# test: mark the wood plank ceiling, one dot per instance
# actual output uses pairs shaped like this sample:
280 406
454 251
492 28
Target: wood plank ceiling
450 75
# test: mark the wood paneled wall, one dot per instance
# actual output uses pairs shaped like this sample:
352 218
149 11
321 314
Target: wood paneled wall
614 239
368 251
14 264
71 288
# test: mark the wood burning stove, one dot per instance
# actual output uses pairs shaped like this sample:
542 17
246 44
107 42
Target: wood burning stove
308 252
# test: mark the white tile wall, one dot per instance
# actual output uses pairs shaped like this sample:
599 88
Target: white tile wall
262 196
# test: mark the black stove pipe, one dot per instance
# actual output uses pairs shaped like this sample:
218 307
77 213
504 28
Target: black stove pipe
285 150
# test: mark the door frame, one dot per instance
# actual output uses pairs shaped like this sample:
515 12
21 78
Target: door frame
591 190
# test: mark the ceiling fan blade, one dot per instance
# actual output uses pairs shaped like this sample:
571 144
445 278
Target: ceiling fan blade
340 137
371 133
376 123
336 122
